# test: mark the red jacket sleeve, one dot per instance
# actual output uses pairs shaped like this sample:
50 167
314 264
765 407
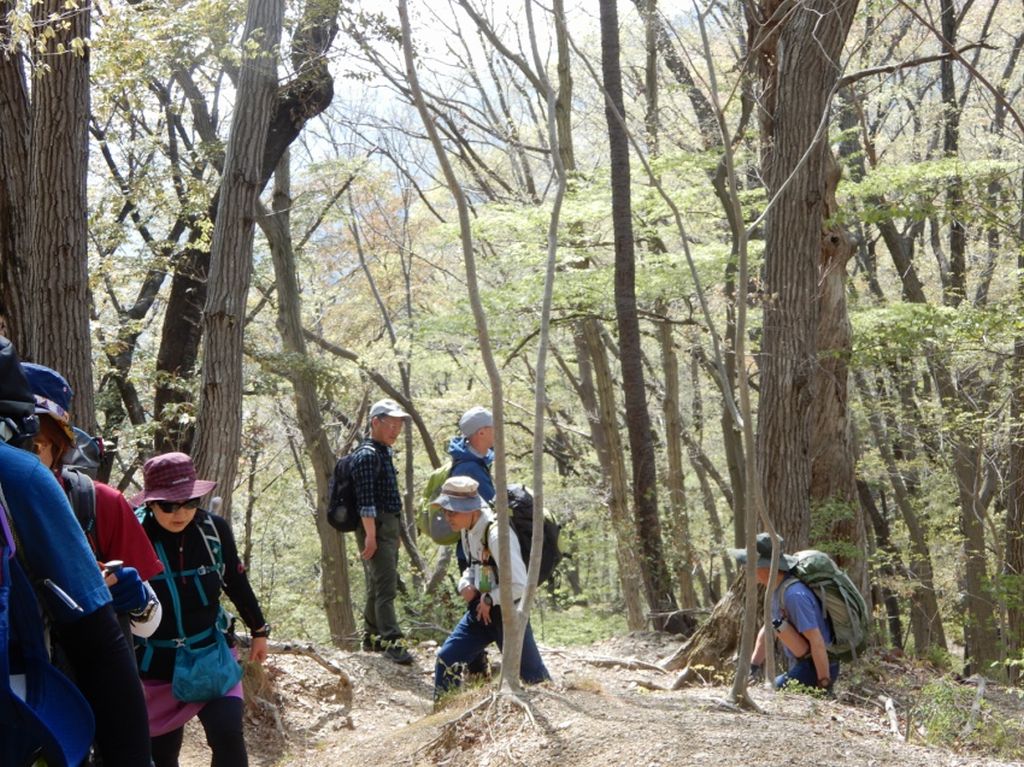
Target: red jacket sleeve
120 535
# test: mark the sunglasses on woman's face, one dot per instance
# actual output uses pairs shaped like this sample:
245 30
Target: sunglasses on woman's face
168 507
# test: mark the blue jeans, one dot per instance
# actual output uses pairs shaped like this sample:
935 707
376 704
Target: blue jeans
469 638
803 672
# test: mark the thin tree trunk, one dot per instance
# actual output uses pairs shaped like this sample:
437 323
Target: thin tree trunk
657 582
955 285
1014 575
604 422
680 526
563 106
334 578
219 419
887 570
510 664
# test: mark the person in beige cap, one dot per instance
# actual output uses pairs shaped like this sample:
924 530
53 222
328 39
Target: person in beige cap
467 513
380 507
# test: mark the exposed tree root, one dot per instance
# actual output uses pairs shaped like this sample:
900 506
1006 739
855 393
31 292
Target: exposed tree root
744 702
492 708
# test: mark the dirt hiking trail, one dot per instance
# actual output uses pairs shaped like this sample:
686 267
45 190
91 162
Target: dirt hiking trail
608 705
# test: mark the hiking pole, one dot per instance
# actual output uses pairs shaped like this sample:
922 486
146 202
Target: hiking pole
63 595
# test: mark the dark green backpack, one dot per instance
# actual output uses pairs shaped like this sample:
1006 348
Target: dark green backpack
844 607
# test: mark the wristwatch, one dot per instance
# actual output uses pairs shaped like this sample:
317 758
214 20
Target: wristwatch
488 600
261 633
144 613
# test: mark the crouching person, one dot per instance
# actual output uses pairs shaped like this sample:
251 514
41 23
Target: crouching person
798 620
467 514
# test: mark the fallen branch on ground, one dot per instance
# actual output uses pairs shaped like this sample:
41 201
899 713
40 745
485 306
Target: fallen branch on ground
894 721
630 664
972 718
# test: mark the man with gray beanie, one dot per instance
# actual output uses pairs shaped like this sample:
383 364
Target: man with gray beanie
472 452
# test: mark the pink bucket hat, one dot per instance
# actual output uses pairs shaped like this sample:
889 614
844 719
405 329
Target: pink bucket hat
171 477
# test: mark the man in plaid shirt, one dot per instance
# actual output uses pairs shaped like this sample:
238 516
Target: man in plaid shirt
380 506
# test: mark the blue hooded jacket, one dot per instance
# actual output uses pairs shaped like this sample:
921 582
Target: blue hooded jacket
466 463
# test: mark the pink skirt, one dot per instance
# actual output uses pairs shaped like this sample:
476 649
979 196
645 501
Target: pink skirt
167 713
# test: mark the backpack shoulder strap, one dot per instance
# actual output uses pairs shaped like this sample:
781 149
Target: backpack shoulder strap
788 582
214 547
81 493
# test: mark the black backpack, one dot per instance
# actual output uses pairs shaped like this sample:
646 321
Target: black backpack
520 509
81 494
342 507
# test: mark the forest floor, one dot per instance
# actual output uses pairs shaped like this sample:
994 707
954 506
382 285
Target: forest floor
609 704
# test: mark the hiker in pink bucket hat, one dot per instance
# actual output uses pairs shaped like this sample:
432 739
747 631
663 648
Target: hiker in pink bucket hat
189 666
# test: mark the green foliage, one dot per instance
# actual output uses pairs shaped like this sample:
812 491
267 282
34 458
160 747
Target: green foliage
917 191
577 625
945 709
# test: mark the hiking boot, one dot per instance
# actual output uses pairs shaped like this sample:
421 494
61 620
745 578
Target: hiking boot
399 655
372 644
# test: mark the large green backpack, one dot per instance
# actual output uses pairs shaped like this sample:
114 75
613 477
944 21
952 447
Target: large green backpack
843 604
431 521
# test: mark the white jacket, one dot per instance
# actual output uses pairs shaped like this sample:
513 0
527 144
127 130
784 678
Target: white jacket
473 546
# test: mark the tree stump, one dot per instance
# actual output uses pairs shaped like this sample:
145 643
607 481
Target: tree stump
715 643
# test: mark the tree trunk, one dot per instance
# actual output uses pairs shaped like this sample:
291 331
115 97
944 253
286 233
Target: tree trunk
608 443
715 643
59 267
298 101
563 110
680 520
796 89
219 420
334 582
833 452
887 570
657 582
16 195
955 282
180 338
652 25
1014 576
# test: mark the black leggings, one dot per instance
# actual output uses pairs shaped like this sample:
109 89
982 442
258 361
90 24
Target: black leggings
105 672
222 720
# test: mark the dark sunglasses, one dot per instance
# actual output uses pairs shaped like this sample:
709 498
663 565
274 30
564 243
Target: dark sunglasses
168 507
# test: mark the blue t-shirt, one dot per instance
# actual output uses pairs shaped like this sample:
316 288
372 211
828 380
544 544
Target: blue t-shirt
803 611
51 540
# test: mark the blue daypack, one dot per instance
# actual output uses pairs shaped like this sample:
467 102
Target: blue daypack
42 713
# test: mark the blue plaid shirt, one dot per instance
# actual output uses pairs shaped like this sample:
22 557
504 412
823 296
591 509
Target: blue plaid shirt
376 480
